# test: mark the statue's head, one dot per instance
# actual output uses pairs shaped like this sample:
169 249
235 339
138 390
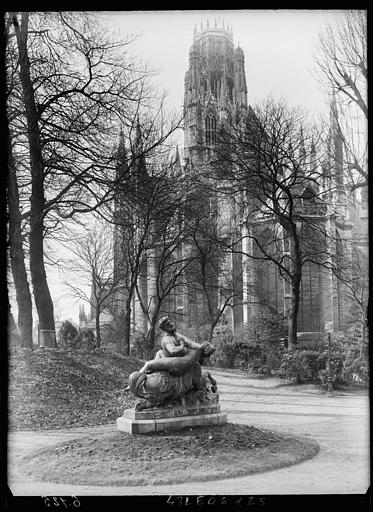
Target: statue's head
135 380
208 349
166 324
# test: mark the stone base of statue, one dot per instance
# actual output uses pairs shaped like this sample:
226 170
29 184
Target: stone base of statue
141 422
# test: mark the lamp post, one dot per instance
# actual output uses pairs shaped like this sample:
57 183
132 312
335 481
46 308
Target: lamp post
330 378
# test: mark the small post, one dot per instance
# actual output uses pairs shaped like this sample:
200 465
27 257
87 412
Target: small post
330 378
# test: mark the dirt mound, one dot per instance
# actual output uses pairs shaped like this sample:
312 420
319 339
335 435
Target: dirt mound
192 454
51 389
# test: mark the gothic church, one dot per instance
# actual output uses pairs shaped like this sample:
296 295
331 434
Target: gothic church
215 90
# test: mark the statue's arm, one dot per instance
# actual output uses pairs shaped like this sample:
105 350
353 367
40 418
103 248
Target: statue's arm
173 365
188 342
168 343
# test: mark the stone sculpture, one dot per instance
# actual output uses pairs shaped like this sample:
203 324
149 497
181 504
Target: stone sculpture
174 378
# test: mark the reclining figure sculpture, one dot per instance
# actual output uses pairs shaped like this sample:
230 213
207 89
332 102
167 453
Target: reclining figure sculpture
174 377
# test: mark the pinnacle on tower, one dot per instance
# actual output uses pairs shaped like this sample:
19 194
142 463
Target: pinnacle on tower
138 136
121 151
175 170
302 149
177 156
313 155
333 109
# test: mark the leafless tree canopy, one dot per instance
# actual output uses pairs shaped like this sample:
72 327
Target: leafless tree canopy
342 67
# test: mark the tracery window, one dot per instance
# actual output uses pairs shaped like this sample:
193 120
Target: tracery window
210 129
267 276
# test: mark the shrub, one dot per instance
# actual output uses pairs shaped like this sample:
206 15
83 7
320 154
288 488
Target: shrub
273 359
356 371
294 365
140 347
67 333
349 364
225 352
241 352
355 367
85 340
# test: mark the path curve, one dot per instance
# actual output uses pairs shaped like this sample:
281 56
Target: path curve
339 423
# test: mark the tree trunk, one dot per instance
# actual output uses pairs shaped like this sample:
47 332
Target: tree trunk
293 313
13 335
98 330
127 328
17 256
363 351
43 300
150 338
151 333
211 333
296 271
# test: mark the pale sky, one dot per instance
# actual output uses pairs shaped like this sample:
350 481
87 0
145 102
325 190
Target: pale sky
278 48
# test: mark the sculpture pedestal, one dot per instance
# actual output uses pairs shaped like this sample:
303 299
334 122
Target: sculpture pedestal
154 420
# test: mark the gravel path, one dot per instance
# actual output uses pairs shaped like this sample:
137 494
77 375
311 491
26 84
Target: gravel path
339 423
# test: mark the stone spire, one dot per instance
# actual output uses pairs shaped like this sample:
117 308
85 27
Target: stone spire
82 316
313 163
121 151
139 155
302 148
336 143
121 165
239 78
176 164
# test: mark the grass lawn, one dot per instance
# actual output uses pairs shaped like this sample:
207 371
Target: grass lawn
191 454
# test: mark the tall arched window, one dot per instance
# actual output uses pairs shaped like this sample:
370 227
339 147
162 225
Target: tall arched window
310 298
210 129
268 288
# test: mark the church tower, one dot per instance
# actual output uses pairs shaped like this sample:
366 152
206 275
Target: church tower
82 318
215 88
215 98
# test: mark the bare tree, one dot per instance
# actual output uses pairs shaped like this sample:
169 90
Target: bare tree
168 262
90 272
72 85
269 169
182 255
43 301
211 269
17 256
145 202
15 228
342 65
352 271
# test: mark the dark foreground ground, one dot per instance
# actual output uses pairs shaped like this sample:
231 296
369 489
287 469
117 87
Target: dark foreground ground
339 423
